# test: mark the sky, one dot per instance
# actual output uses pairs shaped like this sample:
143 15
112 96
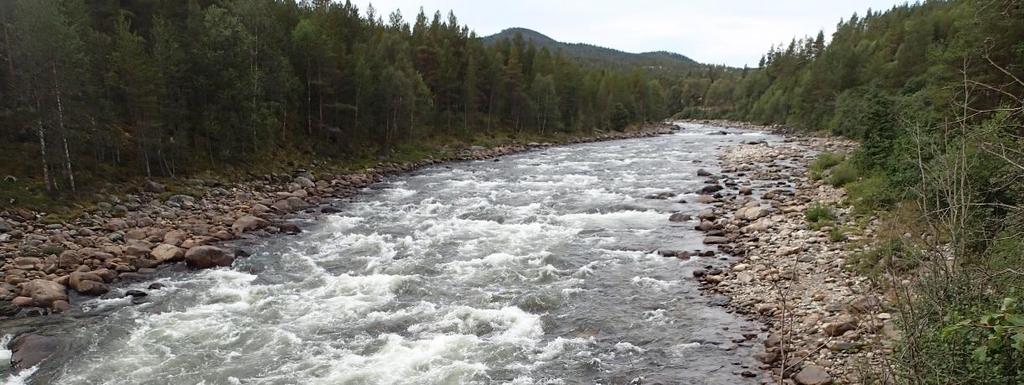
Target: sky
734 33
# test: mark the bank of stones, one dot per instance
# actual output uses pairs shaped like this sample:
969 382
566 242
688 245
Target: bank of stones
825 323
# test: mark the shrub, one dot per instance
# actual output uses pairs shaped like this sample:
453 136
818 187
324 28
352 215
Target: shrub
871 194
894 254
843 174
818 215
824 161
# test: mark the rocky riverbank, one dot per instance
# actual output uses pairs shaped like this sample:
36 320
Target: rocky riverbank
825 323
126 239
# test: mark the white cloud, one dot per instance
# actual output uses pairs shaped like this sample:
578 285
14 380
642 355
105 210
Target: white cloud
735 32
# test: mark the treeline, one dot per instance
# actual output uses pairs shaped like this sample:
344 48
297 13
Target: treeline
935 93
95 89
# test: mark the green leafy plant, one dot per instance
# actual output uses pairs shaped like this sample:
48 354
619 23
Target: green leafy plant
1000 335
823 162
819 215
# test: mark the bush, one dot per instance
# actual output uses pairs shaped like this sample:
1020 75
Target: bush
894 254
871 194
844 174
824 161
819 215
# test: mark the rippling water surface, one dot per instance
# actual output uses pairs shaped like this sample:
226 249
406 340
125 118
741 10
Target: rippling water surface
537 268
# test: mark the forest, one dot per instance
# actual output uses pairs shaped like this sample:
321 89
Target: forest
935 94
95 91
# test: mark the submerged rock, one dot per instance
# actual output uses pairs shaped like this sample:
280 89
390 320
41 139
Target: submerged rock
28 350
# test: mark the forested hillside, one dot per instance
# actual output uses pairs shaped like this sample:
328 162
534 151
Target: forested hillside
94 90
935 93
658 63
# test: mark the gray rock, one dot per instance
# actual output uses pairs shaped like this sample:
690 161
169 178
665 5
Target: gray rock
28 350
679 217
813 375
204 257
248 223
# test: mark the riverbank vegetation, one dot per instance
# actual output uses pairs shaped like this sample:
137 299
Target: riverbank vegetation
95 91
935 93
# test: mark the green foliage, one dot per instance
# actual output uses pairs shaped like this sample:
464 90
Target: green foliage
870 194
843 174
891 255
824 161
819 215
122 90
837 235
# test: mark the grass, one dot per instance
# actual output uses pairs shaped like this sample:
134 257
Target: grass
819 215
824 162
843 174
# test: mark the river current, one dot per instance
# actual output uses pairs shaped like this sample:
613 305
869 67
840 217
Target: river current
535 268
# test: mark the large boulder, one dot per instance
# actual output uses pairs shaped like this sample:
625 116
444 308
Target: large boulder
28 350
204 257
88 283
154 187
44 292
813 375
165 253
248 223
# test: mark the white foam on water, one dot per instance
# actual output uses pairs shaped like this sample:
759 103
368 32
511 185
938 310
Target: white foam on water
436 360
629 219
652 283
21 377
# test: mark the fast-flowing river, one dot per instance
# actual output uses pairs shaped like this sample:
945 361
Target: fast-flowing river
537 268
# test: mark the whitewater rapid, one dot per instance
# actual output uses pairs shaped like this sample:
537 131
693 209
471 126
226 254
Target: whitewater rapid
537 268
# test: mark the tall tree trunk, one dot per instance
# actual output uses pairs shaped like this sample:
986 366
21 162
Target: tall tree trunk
63 130
41 132
255 87
309 97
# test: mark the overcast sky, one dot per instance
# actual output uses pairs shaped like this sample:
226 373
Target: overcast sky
733 32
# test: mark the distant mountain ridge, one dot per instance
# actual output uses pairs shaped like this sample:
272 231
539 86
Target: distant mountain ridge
589 53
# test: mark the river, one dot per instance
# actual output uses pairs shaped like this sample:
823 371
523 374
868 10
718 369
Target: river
536 268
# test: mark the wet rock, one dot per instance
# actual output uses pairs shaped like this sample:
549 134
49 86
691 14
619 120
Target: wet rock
746 190
767 358
289 228
813 375
44 292
330 210
204 257
710 189
135 293
8 309
165 253
660 196
703 172
679 217
248 223
156 286
28 350
707 214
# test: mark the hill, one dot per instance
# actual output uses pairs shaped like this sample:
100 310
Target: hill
597 55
